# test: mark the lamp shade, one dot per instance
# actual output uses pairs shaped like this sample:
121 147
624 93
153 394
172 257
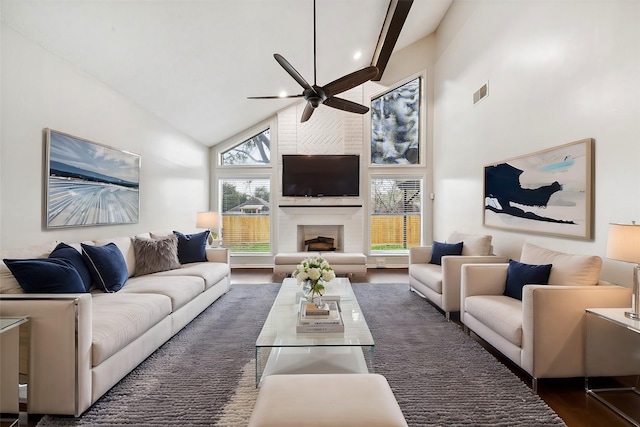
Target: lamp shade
209 220
623 243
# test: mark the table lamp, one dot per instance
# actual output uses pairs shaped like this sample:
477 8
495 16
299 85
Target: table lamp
624 245
209 220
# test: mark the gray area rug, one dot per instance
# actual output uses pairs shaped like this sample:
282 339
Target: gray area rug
205 375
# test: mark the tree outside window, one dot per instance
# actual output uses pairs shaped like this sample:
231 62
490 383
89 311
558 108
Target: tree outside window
254 151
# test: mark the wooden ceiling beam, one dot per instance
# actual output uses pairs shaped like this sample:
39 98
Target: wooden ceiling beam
396 16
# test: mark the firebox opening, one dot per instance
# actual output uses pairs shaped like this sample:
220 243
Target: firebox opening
320 244
320 238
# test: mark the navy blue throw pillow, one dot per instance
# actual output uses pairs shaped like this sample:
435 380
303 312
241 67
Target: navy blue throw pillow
438 250
107 266
46 275
519 274
192 247
68 253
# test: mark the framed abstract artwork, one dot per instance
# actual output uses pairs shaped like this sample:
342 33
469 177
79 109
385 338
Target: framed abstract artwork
547 192
395 125
89 183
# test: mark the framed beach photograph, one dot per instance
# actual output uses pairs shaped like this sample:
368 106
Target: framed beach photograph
395 125
89 183
547 192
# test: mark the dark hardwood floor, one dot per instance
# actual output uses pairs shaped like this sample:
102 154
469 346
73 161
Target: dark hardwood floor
565 396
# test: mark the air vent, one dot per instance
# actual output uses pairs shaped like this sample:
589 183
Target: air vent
481 93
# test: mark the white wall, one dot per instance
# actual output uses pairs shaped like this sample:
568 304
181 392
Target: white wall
39 90
558 71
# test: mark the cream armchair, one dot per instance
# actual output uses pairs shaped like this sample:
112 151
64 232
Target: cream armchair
440 284
544 333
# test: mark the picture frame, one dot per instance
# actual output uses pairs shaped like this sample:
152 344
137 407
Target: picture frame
547 192
395 125
89 184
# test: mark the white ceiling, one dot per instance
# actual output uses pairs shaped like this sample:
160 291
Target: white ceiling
194 62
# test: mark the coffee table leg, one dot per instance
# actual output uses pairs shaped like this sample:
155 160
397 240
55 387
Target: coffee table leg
258 367
370 358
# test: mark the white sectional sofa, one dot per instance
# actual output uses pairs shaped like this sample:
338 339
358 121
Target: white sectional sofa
544 332
82 344
440 283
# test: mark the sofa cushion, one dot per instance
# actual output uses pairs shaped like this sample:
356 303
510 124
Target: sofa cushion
8 282
107 266
474 244
438 250
499 313
519 274
211 272
70 254
180 289
568 269
119 319
428 274
46 275
153 255
192 247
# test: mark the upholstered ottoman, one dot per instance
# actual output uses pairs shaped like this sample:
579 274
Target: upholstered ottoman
310 400
341 262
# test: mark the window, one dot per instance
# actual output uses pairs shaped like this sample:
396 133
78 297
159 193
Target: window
246 217
396 214
395 126
254 151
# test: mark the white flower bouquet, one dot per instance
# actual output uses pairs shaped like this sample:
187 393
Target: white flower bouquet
313 272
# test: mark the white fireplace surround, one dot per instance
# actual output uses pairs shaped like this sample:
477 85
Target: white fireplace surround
300 223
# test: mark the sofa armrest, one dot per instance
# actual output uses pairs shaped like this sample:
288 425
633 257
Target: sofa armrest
451 276
481 279
59 349
420 255
218 255
553 326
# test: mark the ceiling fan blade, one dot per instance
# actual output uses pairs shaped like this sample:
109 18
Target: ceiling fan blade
346 105
308 111
350 81
275 97
292 71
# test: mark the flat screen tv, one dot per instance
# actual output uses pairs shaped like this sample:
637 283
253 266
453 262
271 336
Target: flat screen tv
320 175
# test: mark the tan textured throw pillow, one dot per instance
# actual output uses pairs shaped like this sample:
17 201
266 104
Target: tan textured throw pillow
153 255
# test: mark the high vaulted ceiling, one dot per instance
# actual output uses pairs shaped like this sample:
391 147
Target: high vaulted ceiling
193 63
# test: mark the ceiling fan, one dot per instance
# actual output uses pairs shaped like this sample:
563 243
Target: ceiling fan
316 95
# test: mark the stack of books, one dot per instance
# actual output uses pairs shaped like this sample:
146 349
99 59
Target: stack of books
326 318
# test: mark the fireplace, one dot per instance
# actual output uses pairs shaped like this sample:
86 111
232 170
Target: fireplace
343 223
320 238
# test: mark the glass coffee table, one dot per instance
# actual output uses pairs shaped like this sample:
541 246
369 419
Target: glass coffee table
282 350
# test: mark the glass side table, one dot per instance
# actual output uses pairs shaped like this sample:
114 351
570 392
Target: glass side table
14 333
612 361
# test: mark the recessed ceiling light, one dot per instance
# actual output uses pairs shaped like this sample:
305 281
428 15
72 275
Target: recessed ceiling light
282 94
357 55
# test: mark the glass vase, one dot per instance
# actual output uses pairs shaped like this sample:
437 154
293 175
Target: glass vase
311 294
307 290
